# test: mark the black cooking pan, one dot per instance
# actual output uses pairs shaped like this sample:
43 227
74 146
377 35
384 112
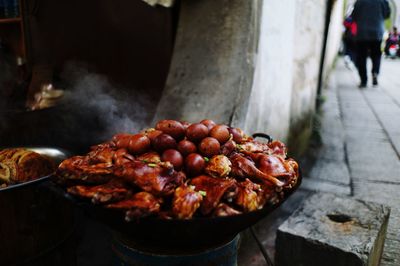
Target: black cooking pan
169 235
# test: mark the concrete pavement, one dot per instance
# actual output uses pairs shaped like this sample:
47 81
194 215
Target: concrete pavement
359 155
360 152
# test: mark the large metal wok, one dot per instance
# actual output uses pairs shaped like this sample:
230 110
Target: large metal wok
169 235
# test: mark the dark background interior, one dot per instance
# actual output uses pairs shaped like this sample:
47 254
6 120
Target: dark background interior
126 44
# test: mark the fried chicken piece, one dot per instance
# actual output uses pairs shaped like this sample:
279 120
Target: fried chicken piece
122 156
224 209
253 147
78 170
228 148
186 201
214 189
139 205
272 165
249 196
218 166
149 157
102 156
113 191
293 168
158 179
278 148
243 167
103 145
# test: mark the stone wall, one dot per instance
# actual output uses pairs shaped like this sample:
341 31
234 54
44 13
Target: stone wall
309 30
269 109
253 64
212 68
287 65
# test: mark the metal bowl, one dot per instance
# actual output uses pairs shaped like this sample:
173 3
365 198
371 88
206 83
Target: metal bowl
56 154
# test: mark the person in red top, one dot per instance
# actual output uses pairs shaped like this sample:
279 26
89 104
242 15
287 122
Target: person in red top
393 38
349 38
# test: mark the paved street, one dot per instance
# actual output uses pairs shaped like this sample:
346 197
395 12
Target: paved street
359 155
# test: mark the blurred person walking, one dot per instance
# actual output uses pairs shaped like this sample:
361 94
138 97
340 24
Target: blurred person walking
349 39
369 16
393 39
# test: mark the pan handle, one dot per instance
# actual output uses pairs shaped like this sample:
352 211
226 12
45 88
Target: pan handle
263 135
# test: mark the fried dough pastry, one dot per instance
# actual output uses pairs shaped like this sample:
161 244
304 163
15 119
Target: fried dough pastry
22 165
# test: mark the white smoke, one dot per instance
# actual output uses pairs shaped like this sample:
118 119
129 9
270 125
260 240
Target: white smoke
116 108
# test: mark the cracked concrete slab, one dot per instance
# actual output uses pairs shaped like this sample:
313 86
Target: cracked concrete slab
332 230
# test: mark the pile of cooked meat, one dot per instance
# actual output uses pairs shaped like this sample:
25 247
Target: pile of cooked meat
179 170
18 165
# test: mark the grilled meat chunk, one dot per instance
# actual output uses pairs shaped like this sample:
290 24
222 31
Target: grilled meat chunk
243 167
249 196
158 179
77 169
186 201
139 205
214 189
218 166
113 191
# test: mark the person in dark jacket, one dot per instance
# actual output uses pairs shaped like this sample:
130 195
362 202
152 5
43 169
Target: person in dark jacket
369 16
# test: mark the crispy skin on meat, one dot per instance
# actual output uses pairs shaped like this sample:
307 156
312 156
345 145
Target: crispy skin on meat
273 165
122 156
78 170
275 148
228 148
293 167
224 209
150 157
218 166
243 167
101 156
113 191
249 196
253 147
139 205
285 170
186 201
214 188
278 148
103 145
158 179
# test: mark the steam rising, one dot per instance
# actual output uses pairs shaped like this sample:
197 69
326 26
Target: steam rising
91 112
114 109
